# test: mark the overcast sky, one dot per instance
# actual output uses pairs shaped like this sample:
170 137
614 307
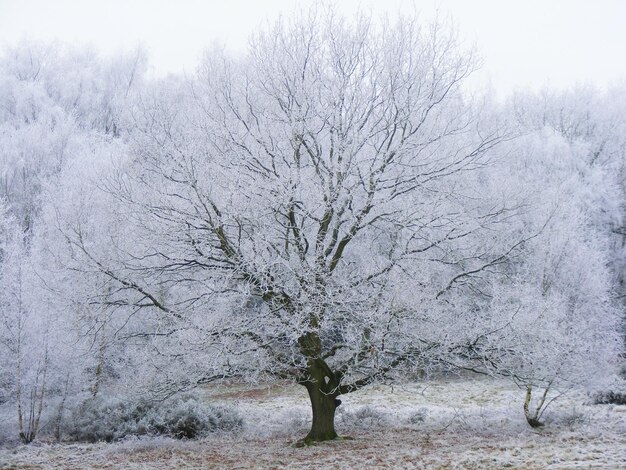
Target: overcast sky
524 43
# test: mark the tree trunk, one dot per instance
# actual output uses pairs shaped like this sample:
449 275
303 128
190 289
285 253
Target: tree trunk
533 419
323 391
323 406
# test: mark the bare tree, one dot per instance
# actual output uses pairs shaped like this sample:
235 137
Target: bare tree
318 210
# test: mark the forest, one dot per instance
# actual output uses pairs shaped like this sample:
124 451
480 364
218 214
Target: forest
334 209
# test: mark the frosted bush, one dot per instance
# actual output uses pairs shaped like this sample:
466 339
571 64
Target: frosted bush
365 416
418 416
575 418
109 419
610 398
613 392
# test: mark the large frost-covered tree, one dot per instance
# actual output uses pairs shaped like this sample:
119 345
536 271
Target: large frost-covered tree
318 210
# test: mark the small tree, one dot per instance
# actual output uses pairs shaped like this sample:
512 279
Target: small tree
23 338
565 331
590 128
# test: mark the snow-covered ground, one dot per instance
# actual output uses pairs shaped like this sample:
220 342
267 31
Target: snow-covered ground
442 424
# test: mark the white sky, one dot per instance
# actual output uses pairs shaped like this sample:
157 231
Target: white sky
524 43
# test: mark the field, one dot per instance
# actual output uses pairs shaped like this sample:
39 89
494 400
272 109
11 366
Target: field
442 424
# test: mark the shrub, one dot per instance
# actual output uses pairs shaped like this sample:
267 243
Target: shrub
418 416
574 418
99 419
609 398
365 416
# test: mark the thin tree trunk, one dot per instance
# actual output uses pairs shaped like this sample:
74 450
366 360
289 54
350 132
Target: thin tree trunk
59 417
533 419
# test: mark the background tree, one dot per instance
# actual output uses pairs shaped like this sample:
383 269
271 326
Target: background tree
57 108
580 136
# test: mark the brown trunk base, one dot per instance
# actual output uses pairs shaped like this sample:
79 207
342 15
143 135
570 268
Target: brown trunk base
307 442
321 437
